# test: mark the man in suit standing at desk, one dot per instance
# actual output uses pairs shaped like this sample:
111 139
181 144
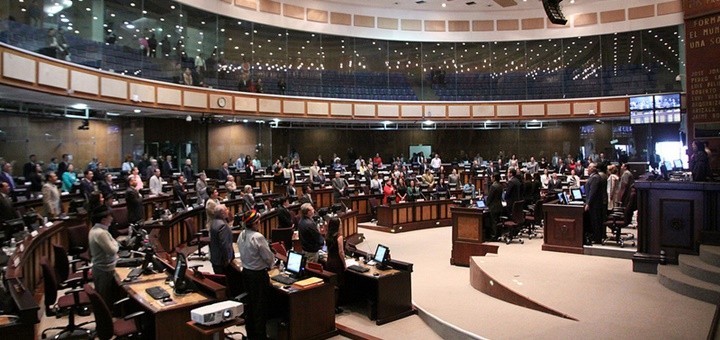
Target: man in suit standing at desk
513 192
133 200
309 234
340 186
221 250
494 203
103 249
256 259
594 209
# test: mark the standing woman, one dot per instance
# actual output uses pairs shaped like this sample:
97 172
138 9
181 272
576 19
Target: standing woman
69 178
336 253
613 184
388 190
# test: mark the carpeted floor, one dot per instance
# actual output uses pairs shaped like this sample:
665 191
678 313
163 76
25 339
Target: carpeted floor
607 298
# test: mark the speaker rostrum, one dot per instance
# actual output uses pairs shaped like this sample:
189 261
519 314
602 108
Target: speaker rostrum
554 12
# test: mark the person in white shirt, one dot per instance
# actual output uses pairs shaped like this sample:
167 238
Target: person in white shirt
532 166
156 183
435 163
573 180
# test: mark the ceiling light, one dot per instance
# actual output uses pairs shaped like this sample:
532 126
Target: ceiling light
428 122
137 110
80 106
188 118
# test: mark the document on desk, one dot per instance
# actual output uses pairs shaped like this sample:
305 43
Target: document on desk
307 283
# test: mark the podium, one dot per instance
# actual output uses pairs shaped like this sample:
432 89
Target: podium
467 235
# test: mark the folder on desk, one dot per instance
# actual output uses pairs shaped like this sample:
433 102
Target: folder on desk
307 283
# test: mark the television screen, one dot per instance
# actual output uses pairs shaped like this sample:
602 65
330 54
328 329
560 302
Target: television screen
667 115
667 101
642 117
641 103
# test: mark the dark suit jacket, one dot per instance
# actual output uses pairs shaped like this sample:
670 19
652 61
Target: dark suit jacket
134 204
28 168
221 250
513 191
166 169
7 212
222 175
494 198
180 192
87 187
284 218
105 189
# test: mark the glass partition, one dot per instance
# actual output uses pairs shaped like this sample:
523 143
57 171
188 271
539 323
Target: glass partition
167 41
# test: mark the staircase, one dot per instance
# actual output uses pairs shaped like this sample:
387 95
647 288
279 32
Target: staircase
695 276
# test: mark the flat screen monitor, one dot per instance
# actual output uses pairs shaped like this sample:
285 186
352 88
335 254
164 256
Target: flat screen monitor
577 194
295 264
667 101
678 164
562 199
381 254
480 204
180 283
641 103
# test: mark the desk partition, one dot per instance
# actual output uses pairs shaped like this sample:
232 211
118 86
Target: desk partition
413 215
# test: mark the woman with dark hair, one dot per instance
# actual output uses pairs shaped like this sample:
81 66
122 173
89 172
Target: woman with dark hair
335 254
699 162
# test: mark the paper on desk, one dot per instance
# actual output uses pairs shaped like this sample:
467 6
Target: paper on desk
350 262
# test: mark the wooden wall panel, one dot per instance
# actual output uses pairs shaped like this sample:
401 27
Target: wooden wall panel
51 75
533 110
251 4
319 108
435 111
146 93
459 111
84 82
458 26
269 105
585 19
533 23
268 6
295 12
435 25
228 141
387 23
340 19
246 104
582 109
317 15
293 106
195 99
363 110
508 110
612 16
483 111
641 12
169 96
483 25
388 111
411 25
669 7
364 21
558 109
508 25
412 110
111 87
19 67
613 106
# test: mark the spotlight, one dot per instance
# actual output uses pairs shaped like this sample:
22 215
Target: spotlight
188 118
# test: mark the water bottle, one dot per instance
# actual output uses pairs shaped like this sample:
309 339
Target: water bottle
281 266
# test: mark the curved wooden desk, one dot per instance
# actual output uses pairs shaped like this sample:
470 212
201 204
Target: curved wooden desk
413 215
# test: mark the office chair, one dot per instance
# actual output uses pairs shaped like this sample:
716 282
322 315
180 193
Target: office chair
616 221
283 235
68 269
512 225
120 225
71 303
374 203
105 327
196 238
79 243
534 219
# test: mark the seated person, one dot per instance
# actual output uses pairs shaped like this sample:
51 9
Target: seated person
469 190
442 189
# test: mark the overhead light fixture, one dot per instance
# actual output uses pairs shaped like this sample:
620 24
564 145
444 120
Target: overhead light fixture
112 114
245 120
188 118
386 122
137 110
79 106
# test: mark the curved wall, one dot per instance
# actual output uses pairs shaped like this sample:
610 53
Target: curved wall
584 19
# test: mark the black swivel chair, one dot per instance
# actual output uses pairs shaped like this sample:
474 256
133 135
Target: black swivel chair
107 328
196 238
282 235
71 303
513 224
618 220
68 269
534 220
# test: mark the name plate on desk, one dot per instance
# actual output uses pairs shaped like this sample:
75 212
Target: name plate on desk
420 200
21 248
34 233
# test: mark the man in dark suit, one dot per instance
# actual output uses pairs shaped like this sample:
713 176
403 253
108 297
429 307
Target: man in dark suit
105 185
167 167
133 200
62 167
494 203
179 190
29 167
594 209
224 172
7 212
86 184
513 192
284 216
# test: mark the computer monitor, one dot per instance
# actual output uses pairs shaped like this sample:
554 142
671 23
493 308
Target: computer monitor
678 164
295 264
381 255
576 194
31 220
480 204
562 199
181 284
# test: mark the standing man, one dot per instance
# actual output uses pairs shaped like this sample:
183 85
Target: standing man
309 234
103 249
156 182
86 184
7 212
626 182
256 259
180 190
494 203
167 167
188 170
594 205
51 196
340 186
221 250
133 201
29 167
513 192
224 171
